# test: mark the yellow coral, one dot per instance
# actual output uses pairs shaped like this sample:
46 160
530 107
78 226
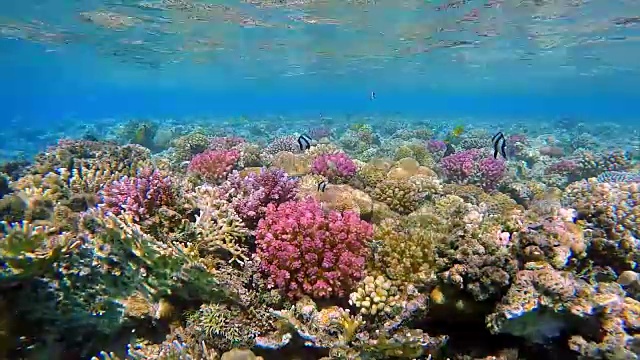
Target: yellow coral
401 196
218 226
404 251
293 164
374 172
375 295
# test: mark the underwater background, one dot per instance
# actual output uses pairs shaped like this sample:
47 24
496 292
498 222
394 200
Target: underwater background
319 179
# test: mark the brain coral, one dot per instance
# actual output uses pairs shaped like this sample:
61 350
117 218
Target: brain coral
304 250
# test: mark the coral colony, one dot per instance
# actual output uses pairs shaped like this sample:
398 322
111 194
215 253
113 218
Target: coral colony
370 241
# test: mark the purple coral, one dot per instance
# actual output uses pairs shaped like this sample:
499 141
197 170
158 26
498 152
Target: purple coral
139 196
336 167
251 194
491 172
436 146
469 167
304 250
460 166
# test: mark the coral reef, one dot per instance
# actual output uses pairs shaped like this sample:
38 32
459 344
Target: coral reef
304 251
379 241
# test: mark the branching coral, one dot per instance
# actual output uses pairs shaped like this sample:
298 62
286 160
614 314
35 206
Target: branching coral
250 195
336 167
347 336
375 295
219 227
304 250
139 196
401 196
473 167
214 165
404 251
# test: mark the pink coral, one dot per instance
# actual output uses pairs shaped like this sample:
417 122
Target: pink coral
336 167
214 165
471 167
460 166
139 196
250 195
304 250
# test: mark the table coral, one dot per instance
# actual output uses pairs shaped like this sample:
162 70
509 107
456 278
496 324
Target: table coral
304 250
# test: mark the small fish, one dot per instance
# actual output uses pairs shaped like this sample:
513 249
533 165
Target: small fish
450 149
457 131
304 141
322 186
372 96
496 142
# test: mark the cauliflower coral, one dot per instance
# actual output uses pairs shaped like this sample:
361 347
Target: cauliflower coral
304 250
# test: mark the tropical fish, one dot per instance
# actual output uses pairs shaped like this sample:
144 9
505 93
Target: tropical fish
322 186
457 131
304 141
496 142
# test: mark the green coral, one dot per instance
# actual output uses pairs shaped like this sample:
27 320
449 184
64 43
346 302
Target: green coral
221 326
186 146
72 282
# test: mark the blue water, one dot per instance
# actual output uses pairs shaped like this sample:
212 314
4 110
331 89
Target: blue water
547 62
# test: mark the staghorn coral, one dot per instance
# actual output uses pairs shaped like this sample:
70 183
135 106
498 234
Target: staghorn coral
214 165
304 250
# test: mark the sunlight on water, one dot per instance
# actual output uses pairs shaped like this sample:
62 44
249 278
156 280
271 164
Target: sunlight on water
462 42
